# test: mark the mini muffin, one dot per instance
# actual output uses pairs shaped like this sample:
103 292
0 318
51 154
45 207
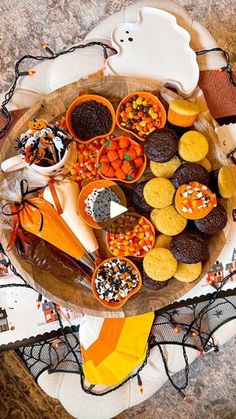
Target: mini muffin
153 217
160 264
189 172
205 163
152 284
167 169
158 192
189 247
138 200
188 272
163 241
169 222
223 182
193 146
178 130
213 222
182 113
161 145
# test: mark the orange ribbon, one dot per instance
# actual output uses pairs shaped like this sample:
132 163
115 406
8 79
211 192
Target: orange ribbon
53 191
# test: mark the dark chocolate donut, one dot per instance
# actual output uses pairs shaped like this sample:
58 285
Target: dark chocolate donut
214 222
190 172
151 283
189 247
139 202
161 145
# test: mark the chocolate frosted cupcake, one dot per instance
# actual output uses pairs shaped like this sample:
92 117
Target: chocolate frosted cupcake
214 222
189 247
161 145
190 172
139 202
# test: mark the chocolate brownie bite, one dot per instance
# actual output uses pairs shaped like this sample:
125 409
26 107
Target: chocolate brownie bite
189 247
190 172
139 202
161 145
151 283
214 222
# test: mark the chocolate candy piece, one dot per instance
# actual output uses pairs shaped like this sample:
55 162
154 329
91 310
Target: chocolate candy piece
138 199
214 222
190 172
151 284
161 145
189 247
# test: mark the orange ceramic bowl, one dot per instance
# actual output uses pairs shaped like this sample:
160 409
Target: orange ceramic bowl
138 216
98 184
115 305
140 170
147 96
85 98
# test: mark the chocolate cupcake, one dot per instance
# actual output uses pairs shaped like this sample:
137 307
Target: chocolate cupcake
151 283
189 247
161 145
139 202
214 222
190 172
178 130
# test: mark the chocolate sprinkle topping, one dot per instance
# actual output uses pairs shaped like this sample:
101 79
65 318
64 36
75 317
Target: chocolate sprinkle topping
90 119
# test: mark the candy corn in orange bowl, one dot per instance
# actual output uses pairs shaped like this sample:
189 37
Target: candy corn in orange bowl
130 235
140 113
121 159
114 281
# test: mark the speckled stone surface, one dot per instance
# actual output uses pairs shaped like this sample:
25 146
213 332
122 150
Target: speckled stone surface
212 389
24 25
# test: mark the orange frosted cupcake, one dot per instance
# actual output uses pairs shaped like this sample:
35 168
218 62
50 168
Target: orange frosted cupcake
182 113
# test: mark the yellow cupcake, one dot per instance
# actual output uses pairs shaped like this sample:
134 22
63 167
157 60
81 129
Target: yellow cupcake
226 182
163 241
193 146
188 272
182 113
168 221
159 192
153 216
205 163
165 170
160 264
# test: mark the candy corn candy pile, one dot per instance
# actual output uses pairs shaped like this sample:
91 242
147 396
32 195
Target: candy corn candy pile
85 169
130 235
121 159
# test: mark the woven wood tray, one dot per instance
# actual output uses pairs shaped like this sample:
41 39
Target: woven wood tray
76 297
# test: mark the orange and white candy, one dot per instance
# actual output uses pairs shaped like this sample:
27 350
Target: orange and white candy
194 201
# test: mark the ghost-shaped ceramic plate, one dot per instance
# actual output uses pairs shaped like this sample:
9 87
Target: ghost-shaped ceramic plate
156 48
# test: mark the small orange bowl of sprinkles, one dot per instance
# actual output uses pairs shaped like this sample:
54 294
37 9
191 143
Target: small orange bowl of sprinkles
130 235
140 113
122 159
90 117
114 281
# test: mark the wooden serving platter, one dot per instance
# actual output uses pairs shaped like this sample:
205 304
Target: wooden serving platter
52 107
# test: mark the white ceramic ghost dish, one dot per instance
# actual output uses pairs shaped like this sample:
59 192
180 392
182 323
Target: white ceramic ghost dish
157 48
